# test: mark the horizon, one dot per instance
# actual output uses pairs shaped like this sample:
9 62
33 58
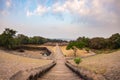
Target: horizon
61 19
66 39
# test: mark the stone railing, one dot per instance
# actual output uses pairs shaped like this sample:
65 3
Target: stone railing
32 74
83 73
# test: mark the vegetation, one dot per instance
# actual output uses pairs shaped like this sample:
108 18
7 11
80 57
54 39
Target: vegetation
97 43
77 60
104 64
56 40
9 39
114 41
80 43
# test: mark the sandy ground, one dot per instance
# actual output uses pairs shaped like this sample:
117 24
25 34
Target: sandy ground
106 64
11 64
81 53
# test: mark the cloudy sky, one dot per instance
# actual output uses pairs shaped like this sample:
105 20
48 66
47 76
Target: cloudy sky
66 19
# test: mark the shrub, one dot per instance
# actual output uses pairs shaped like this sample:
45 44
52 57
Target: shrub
77 60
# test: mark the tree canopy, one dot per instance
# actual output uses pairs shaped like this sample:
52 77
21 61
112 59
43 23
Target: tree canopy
113 42
7 38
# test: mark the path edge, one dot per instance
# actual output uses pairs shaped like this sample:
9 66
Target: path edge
32 74
83 73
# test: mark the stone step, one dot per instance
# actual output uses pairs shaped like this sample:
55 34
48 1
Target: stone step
60 71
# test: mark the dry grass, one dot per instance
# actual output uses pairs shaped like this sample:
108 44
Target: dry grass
69 53
105 64
10 64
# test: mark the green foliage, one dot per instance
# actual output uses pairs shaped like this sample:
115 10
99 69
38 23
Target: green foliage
74 45
77 60
77 44
70 45
84 40
80 44
56 40
114 40
22 39
110 43
10 41
7 38
37 40
97 43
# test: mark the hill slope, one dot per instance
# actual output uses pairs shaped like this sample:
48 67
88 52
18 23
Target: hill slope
106 64
11 64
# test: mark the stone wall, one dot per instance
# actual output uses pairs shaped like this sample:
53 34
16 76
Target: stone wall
32 74
83 73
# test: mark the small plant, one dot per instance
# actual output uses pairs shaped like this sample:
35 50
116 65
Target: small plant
77 60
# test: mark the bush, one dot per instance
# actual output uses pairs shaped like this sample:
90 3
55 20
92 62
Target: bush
77 44
7 38
77 60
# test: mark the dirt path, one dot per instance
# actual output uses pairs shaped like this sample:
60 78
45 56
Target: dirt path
60 71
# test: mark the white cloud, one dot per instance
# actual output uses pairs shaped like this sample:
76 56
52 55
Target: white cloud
101 13
8 3
96 9
29 13
57 8
38 11
72 6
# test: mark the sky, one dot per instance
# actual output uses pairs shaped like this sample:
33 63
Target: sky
62 19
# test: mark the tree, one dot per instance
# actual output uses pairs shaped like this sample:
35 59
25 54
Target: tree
0 40
7 38
37 40
114 40
74 45
84 40
97 43
22 39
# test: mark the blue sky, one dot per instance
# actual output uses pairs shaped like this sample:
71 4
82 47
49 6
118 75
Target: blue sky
66 19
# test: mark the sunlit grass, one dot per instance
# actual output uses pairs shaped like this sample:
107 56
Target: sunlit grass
101 63
70 53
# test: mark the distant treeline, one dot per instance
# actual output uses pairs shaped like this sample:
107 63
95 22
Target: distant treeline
113 42
9 39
